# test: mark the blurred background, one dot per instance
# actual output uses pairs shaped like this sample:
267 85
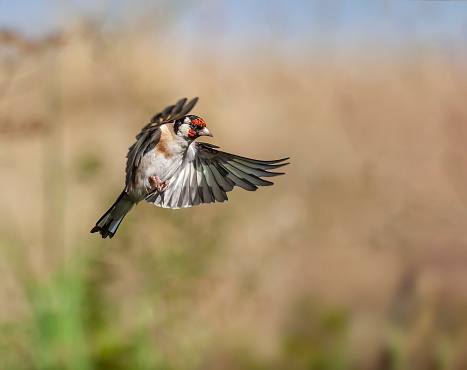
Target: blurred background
356 258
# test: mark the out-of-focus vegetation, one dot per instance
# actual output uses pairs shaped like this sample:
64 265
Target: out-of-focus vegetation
356 258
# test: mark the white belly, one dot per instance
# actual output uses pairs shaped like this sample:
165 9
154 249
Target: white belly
161 163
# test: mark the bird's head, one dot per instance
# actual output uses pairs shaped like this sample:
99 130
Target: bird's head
191 127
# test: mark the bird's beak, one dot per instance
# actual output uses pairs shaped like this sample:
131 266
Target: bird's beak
205 132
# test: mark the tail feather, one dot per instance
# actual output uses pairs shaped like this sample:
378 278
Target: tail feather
108 224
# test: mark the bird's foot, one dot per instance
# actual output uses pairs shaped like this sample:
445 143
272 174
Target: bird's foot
158 184
164 187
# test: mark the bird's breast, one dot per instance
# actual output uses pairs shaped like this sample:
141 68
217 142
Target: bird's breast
163 161
163 166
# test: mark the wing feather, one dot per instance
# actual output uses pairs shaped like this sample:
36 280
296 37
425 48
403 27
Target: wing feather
254 163
178 107
252 170
207 174
216 190
246 176
185 194
194 193
176 190
184 111
225 183
237 180
204 190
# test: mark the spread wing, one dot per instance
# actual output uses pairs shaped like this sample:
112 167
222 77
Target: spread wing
207 174
150 134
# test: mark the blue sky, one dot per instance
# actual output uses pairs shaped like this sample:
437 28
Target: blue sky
341 24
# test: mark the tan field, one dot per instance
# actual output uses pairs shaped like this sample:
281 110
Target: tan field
355 258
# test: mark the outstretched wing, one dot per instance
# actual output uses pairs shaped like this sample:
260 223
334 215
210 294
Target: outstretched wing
207 174
150 134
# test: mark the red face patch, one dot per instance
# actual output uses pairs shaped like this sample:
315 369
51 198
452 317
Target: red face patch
191 134
199 122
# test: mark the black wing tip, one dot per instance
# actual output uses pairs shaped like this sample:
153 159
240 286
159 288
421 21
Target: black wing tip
276 173
179 108
279 164
252 189
277 161
282 165
181 102
272 162
188 107
276 164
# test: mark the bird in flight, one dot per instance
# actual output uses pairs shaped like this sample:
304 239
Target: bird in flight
166 167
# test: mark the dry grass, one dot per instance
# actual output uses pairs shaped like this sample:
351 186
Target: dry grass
356 258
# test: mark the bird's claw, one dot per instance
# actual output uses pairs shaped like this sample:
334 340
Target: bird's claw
158 184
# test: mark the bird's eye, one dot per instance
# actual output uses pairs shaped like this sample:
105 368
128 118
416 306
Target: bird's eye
193 126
